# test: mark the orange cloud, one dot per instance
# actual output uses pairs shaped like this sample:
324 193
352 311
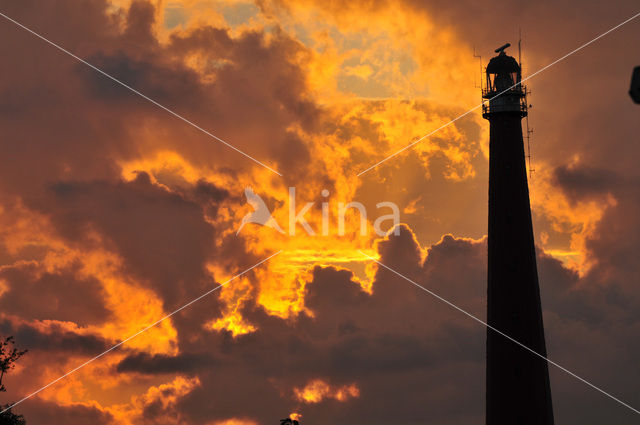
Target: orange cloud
577 220
234 421
317 390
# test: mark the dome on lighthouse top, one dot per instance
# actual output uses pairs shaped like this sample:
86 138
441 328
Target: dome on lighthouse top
502 64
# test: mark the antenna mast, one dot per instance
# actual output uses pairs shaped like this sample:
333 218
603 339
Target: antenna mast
520 47
527 92
480 60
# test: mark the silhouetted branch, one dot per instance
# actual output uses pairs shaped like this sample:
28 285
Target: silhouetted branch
9 355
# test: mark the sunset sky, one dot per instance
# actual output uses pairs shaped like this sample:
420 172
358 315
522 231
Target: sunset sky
115 213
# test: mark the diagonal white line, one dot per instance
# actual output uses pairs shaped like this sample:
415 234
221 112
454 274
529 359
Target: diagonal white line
515 85
62 49
449 303
141 331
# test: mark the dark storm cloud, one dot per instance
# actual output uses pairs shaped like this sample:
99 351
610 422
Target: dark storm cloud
584 183
163 83
47 412
60 295
160 363
453 268
52 337
163 237
337 291
208 192
615 245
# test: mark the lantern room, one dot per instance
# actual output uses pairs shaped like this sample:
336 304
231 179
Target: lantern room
503 88
503 72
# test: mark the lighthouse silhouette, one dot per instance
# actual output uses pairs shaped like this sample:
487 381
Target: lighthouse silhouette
518 390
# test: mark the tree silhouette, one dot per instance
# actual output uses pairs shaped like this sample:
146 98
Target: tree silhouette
9 355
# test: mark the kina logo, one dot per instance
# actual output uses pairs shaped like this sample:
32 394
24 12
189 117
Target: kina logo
260 215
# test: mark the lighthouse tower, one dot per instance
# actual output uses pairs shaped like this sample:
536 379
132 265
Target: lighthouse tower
518 389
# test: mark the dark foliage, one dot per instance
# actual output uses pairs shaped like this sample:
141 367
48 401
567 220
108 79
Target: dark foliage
9 355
